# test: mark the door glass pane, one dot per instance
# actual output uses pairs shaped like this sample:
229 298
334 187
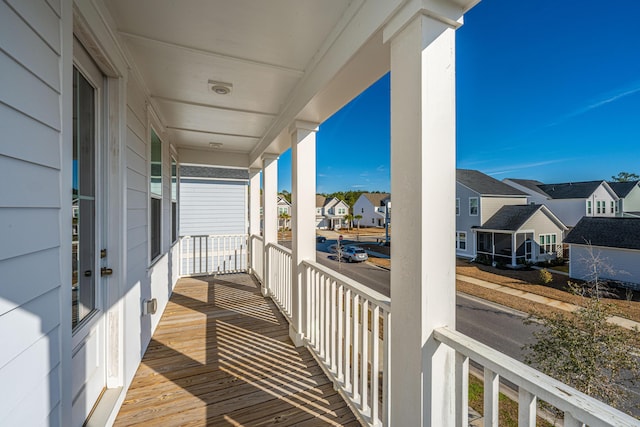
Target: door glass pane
83 188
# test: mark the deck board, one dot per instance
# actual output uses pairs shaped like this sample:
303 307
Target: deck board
221 356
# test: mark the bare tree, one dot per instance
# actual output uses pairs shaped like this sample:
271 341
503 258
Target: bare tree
583 349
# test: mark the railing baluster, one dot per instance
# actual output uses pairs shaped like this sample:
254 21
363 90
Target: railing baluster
386 377
327 319
570 421
340 334
332 327
364 356
527 403
491 390
347 340
375 362
462 390
355 346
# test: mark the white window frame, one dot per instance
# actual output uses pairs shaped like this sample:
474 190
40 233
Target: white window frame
477 206
175 225
548 242
461 239
589 207
457 206
613 207
153 257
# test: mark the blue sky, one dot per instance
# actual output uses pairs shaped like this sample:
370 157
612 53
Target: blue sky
546 90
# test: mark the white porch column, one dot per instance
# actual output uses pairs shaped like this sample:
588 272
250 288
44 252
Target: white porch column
423 176
254 215
513 250
303 197
269 211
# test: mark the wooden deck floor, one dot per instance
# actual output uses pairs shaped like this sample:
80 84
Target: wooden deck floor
221 356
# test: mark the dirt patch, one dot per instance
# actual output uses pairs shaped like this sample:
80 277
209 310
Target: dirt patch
525 280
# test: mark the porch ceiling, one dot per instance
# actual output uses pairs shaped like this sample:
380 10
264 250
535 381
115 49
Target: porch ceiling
285 59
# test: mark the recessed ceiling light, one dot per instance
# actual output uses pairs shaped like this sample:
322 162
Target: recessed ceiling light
215 145
220 88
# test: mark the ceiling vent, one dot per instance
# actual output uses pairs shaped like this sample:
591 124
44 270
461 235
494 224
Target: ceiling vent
215 145
220 88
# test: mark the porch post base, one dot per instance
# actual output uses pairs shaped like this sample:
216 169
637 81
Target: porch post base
296 337
265 291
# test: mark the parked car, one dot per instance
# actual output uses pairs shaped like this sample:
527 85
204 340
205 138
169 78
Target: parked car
354 254
321 239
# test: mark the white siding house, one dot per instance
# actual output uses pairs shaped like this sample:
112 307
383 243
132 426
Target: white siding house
570 201
610 244
629 198
330 212
372 207
213 200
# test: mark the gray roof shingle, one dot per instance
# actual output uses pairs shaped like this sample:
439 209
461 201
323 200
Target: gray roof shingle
570 190
531 184
622 189
187 171
621 233
484 184
510 217
376 199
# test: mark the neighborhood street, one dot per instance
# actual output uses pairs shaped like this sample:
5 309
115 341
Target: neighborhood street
494 325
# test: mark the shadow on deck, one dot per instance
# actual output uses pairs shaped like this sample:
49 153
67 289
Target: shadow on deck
221 356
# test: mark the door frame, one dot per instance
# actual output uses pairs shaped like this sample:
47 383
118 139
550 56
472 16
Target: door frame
93 34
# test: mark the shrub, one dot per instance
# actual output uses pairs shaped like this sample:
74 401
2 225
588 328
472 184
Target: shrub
544 277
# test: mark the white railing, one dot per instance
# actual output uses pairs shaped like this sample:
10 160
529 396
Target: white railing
256 254
347 329
278 273
213 254
578 408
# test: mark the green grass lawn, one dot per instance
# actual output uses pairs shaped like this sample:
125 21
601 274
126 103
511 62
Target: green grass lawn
507 407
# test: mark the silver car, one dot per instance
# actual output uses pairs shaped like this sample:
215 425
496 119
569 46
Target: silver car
354 254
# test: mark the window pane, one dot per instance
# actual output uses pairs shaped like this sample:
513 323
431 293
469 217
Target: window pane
156 164
83 200
156 205
174 180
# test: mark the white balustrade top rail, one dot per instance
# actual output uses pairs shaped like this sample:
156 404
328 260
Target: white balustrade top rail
213 254
578 406
384 302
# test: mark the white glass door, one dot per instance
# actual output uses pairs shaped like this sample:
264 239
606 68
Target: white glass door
87 320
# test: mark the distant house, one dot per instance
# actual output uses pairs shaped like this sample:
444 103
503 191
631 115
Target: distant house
330 212
614 240
284 212
516 234
570 201
478 198
213 200
629 198
373 207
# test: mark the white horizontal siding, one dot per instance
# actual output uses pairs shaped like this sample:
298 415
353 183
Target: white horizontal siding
38 186
30 206
28 230
212 207
40 17
25 139
23 270
28 94
26 47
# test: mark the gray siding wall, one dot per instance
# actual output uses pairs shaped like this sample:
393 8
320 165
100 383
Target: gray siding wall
631 203
212 207
464 221
31 57
542 224
490 205
625 263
